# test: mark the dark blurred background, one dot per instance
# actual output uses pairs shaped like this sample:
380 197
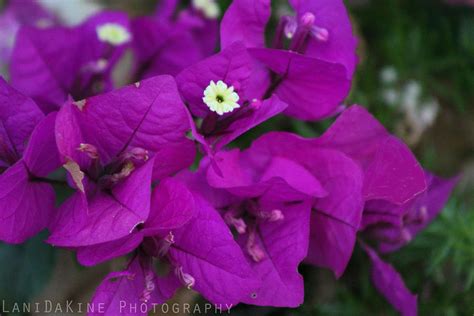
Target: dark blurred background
416 75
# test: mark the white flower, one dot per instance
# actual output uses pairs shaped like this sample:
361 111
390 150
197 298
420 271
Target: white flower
220 98
390 96
209 8
389 75
411 95
429 112
113 33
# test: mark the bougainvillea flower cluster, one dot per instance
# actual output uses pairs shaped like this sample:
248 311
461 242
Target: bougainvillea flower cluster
237 225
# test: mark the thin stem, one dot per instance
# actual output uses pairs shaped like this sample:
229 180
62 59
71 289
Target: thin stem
50 181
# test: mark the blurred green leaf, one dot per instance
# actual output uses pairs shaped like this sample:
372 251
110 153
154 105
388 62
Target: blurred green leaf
25 270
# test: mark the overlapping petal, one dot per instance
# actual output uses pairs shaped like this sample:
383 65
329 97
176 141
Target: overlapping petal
205 248
392 172
26 206
313 88
285 245
52 63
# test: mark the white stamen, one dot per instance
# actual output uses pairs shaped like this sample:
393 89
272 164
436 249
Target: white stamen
185 278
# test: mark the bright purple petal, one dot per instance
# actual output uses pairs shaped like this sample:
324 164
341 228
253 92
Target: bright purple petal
26 206
163 48
172 206
70 215
95 254
335 219
173 157
69 135
110 216
412 217
336 215
16 14
48 64
325 174
245 21
390 284
197 183
248 175
149 115
232 66
285 245
206 250
18 117
268 109
41 155
341 44
295 175
205 31
391 170
433 201
138 286
43 71
312 88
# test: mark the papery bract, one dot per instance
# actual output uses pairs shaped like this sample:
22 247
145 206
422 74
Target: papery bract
391 171
207 251
27 154
245 21
390 284
313 88
232 66
336 215
16 14
393 226
135 286
114 145
332 16
50 64
321 42
165 44
184 230
268 203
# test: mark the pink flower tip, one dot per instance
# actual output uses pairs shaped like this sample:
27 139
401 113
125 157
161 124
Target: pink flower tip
307 19
320 33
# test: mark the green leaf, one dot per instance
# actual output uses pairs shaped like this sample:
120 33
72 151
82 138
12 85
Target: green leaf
25 269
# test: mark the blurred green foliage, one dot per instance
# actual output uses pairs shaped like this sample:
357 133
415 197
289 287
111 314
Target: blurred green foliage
425 40
25 270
